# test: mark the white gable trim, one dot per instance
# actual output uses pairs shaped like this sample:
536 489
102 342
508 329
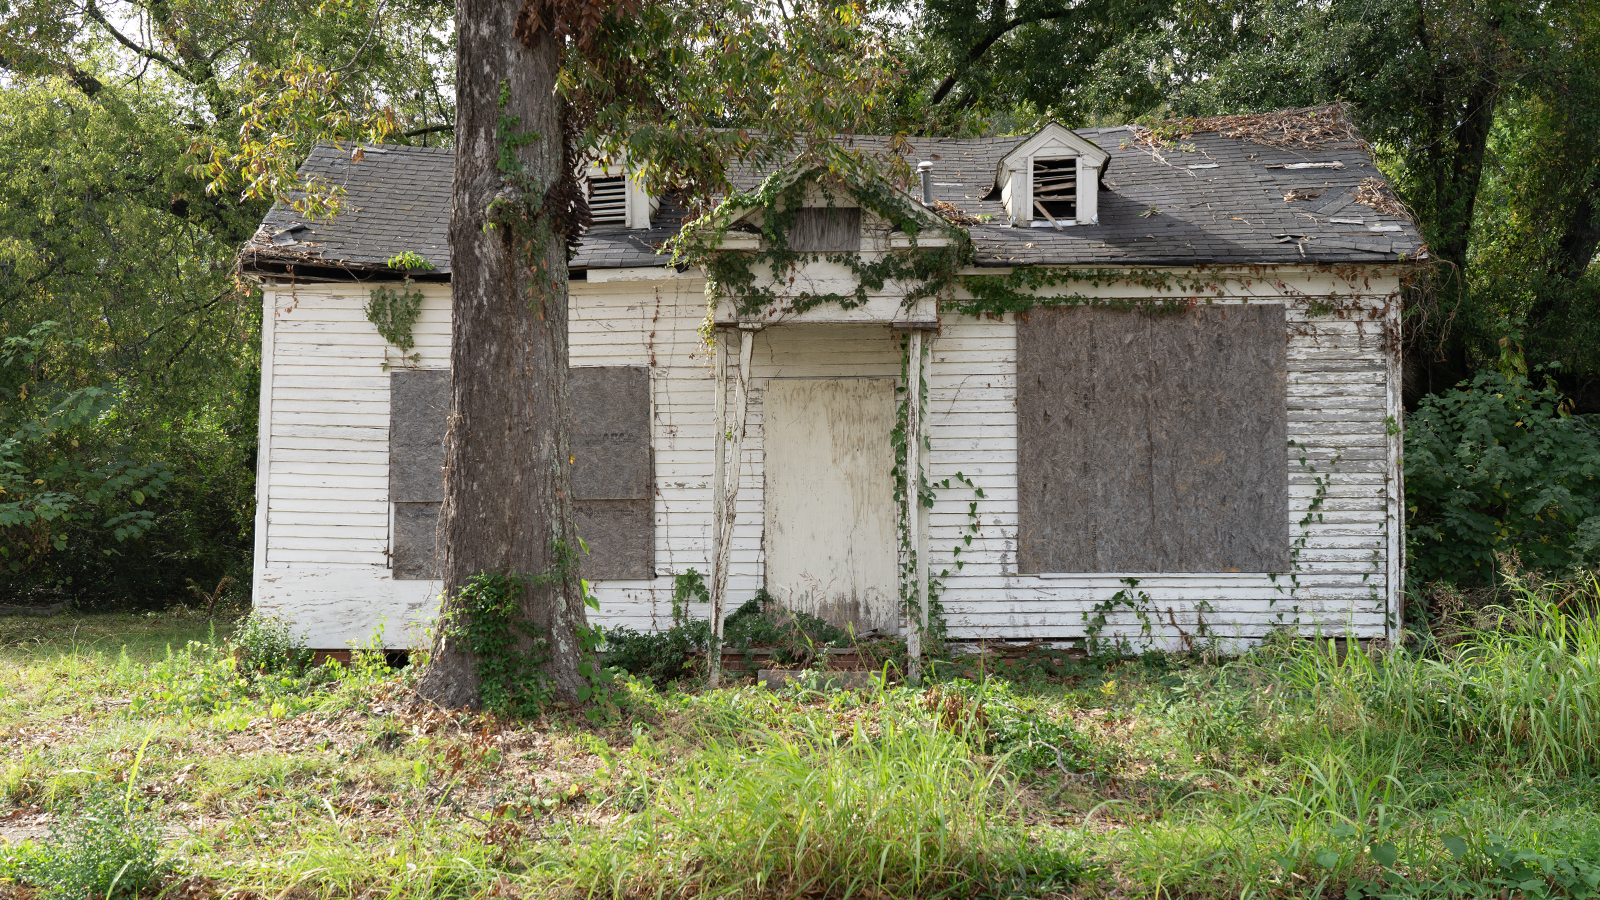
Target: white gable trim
742 240
1056 140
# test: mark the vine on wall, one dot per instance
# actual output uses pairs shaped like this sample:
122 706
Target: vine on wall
755 279
394 312
760 281
938 629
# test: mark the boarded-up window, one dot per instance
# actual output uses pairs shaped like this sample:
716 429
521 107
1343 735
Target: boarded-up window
613 475
821 229
419 407
1153 442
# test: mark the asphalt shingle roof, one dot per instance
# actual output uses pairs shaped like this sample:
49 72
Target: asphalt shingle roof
1208 200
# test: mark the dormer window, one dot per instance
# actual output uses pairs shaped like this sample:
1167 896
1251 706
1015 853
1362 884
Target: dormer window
1055 190
616 200
1051 180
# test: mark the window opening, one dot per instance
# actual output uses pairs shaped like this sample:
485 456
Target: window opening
1055 188
608 202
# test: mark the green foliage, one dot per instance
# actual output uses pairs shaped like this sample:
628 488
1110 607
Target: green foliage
52 484
662 657
692 92
748 276
409 260
508 651
107 846
599 689
393 313
266 644
1097 617
1005 724
891 808
1526 690
1500 466
127 357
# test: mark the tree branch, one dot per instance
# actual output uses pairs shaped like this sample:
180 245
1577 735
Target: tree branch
428 129
94 13
989 40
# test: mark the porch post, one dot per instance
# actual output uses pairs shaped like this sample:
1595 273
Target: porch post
731 432
922 509
719 448
919 619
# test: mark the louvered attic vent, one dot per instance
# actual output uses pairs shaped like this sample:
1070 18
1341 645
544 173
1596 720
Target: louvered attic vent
1055 188
608 202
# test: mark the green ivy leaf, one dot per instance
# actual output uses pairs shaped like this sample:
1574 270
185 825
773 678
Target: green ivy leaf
1328 859
1384 854
1456 845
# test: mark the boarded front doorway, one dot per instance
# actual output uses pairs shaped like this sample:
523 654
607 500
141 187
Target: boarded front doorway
830 514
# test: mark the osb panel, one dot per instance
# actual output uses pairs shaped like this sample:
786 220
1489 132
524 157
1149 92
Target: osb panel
610 432
621 537
819 229
830 520
416 527
419 408
1153 442
613 471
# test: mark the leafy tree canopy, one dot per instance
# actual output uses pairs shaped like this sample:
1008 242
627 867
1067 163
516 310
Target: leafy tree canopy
127 354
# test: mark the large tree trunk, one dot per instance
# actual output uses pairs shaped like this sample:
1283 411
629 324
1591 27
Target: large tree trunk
507 505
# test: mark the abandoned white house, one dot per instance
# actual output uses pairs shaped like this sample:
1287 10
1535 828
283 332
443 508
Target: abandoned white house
1160 384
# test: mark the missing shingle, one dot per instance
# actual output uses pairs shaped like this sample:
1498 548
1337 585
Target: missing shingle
1303 194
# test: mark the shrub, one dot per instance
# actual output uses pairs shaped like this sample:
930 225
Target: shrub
107 847
667 656
1500 466
266 644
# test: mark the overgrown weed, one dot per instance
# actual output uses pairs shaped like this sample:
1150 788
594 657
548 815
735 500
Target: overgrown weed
1306 767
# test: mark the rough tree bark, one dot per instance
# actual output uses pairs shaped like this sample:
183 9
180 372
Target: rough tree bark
507 504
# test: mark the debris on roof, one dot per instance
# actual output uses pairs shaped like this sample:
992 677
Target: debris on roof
952 213
1223 208
1375 194
1310 128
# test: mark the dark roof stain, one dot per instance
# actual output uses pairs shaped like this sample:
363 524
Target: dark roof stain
1209 200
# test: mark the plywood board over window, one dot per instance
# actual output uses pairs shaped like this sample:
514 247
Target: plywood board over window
1153 441
419 407
613 473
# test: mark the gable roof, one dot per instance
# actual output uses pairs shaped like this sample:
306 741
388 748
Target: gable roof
1053 136
1209 200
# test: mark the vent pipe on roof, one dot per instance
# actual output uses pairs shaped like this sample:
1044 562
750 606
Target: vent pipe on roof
925 172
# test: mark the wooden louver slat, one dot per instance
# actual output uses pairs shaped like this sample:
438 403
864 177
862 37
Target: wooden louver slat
608 201
1055 188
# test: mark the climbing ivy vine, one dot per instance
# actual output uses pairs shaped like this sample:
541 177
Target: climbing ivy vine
761 281
393 312
755 279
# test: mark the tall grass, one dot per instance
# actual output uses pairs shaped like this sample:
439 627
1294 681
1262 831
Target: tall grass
894 808
1524 684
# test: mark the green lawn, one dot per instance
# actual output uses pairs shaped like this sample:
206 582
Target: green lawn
1294 771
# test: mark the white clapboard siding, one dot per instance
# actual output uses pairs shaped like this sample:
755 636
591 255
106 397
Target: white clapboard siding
323 519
